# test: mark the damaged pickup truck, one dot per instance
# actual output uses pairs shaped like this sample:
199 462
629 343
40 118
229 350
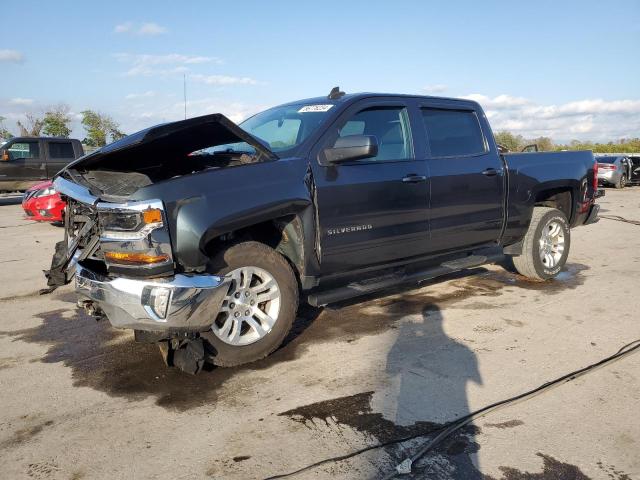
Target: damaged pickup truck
203 235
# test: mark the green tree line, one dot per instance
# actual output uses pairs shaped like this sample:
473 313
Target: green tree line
56 122
516 143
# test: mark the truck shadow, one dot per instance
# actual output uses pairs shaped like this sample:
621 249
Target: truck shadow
108 360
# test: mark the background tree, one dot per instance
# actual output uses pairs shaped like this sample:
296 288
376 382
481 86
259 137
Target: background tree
100 128
56 121
32 126
545 144
4 133
514 143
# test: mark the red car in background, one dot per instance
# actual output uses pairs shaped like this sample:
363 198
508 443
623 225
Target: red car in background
43 204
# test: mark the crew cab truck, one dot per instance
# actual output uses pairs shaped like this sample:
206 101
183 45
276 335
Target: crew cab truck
27 161
203 235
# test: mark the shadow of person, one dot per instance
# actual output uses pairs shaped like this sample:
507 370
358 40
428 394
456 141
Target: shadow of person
429 374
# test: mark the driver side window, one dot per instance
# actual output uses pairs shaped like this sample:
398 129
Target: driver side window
24 150
390 126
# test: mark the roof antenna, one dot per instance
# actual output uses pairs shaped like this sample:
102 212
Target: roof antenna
335 93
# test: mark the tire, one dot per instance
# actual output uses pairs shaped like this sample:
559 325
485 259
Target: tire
530 263
622 181
227 348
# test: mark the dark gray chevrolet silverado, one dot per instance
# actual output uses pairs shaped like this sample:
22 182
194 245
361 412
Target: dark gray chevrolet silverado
203 235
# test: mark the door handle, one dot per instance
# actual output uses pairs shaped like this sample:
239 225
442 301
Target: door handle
413 178
490 172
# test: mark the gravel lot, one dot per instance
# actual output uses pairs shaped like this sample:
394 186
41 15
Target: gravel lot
79 399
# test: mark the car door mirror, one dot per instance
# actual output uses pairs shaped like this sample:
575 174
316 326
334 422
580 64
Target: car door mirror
5 156
352 147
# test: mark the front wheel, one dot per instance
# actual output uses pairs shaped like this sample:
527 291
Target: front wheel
545 247
259 308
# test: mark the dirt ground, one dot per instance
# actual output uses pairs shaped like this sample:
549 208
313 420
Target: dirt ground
79 399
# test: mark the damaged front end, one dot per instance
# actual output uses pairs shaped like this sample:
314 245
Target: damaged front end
120 250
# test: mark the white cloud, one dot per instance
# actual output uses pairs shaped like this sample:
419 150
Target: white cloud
436 88
147 28
588 119
223 80
147 94
11 56
123 27
21 101
499 102
162 109
168 64
151 29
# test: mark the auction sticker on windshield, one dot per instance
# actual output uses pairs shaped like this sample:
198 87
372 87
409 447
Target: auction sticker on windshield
314 108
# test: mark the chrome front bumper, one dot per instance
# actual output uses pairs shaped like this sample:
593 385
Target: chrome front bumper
194 300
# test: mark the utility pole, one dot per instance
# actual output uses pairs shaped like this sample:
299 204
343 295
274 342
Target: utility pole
184 90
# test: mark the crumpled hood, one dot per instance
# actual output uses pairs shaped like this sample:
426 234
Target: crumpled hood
170 140
40 186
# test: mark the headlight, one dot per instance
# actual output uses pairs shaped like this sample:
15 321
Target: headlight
46 192
129 225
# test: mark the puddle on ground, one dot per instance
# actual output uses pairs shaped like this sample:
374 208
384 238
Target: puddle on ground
448 460
108 360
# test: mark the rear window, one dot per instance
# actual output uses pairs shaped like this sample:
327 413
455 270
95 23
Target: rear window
453 133
606 159
61 150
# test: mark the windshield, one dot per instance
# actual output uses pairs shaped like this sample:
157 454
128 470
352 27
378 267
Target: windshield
607 159
281 128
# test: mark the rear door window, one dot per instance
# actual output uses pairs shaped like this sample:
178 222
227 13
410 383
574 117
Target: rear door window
453 133
61 150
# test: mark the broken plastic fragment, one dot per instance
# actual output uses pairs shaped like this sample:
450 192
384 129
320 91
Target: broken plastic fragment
404 467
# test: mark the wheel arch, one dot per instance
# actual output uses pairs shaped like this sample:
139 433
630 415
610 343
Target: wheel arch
561 198
284 233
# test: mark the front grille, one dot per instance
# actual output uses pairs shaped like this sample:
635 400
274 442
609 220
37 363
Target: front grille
82 226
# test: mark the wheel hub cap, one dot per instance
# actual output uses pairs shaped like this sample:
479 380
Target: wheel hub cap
552 244
250 309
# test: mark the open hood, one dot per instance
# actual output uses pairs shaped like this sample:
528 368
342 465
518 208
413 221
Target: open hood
174 141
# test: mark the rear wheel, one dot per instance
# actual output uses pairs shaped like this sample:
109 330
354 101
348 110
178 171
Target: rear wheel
622 181
259 308
545 247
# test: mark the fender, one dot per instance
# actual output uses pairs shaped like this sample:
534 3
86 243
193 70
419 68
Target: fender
206 205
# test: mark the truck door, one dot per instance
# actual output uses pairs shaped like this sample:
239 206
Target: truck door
25 165
59 154
466 177
374 210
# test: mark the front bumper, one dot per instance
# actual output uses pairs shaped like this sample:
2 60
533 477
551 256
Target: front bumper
44 209
194 300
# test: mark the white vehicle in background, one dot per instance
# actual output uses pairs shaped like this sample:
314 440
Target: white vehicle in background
614 170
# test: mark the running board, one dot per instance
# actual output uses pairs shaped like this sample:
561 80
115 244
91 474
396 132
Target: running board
357 289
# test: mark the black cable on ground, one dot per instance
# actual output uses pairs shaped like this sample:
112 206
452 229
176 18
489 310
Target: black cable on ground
405 466
618 218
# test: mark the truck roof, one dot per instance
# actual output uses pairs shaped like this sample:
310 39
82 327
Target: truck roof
349 97
44 138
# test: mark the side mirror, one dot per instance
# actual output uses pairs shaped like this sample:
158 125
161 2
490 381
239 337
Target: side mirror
5 156
352 147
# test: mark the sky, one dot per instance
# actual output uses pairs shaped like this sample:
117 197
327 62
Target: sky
568 70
